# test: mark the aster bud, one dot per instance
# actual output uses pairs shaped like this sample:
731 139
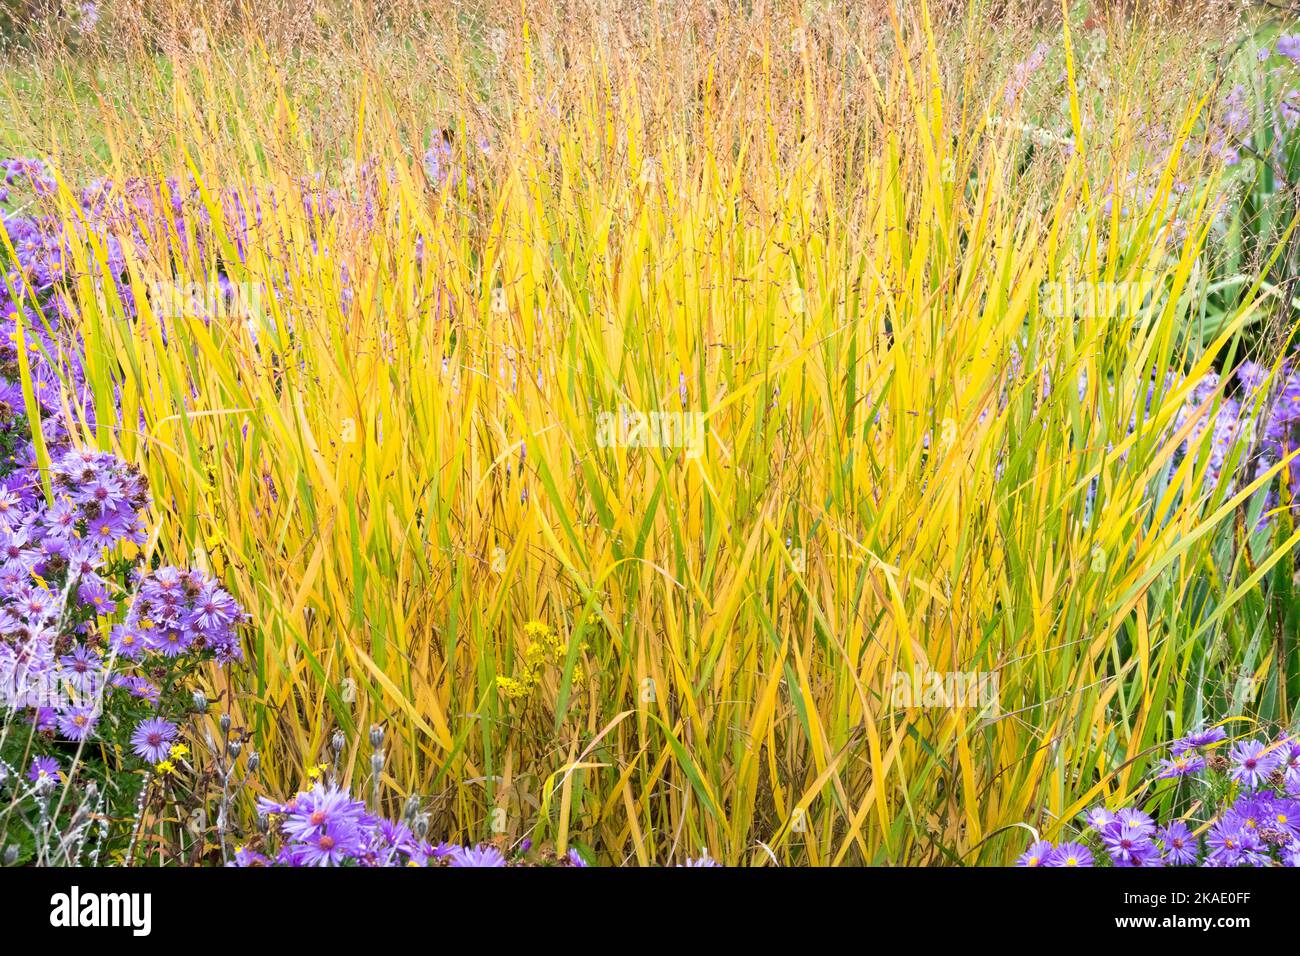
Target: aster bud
412 808
235 747
200 701
337 741
254 761
224 724
376 735
11 855
420 825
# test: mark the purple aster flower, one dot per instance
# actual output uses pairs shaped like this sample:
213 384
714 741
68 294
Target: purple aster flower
1134 821
1251 810
393 833
439 161
1252 375
36 604
105 492
1037 855
443 851
16 551
1253 762
43 767
702 860
83 562
245 857
1070 854
481 855
47 549
292 854
1283 815
82 669
1198 739
385 840
78 723
1145 855
1290 755
332 844
420 853
170 641
267 807
135 686
1184 765
1179 843
11 510
61 519
95 596
153 738
321 808
214 610
1100 819
108 529
1128 843
1228 842
575 859
126 642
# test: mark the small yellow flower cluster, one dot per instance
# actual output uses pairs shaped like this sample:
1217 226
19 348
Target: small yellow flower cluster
513 688
314 773
544 647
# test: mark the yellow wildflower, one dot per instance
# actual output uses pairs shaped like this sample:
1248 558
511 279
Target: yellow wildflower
512 688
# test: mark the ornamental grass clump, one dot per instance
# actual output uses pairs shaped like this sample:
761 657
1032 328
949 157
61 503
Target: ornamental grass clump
836 358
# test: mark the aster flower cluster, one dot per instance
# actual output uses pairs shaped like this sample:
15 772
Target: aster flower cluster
93 647
1253 133
170 213
1254 783
62 573
177 612
1273 434
1253 409
212 239
324 826
1233 127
